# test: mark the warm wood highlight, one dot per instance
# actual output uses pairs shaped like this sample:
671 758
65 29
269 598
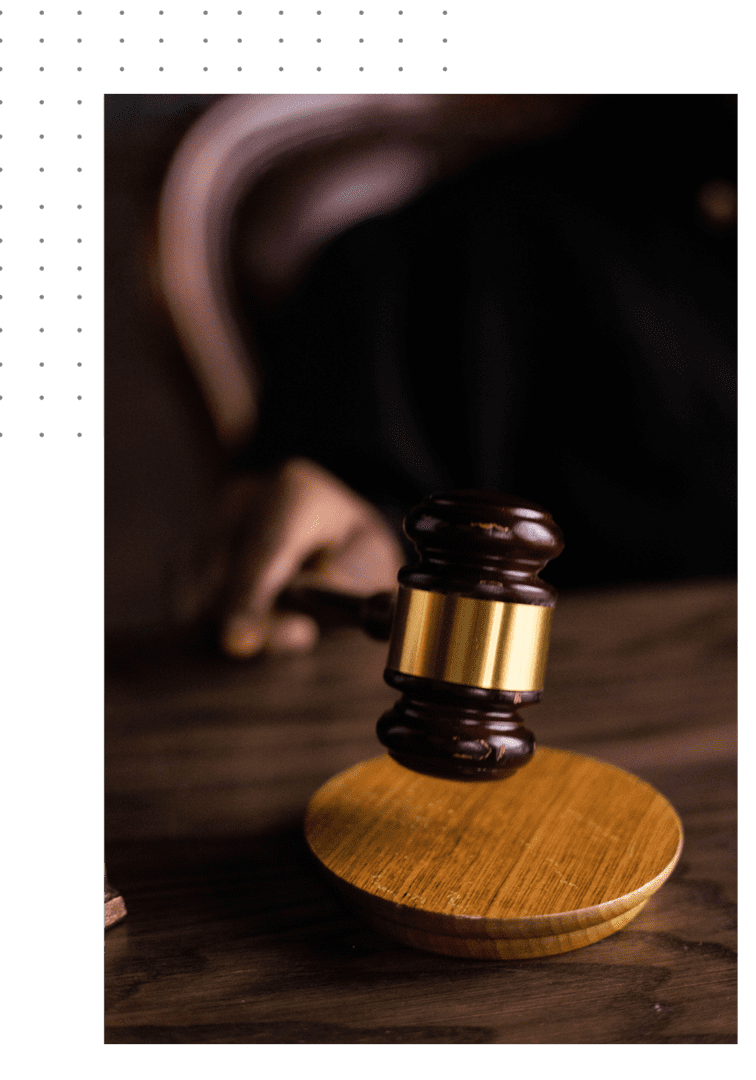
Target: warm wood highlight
233 935
560 855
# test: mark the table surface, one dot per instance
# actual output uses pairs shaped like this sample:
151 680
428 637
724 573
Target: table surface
232 936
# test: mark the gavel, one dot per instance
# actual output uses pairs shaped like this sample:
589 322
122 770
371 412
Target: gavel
566 852
469 633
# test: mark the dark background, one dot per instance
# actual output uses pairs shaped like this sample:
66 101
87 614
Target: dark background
556 320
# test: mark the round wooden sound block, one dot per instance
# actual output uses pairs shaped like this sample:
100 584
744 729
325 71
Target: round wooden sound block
561 854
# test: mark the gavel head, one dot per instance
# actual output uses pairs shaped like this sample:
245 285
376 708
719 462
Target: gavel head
470 635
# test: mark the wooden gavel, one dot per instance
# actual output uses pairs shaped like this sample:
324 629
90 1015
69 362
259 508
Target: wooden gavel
469 634
566 852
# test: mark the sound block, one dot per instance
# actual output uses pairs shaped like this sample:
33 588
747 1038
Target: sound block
563 853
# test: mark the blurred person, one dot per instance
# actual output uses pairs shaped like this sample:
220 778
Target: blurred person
534 294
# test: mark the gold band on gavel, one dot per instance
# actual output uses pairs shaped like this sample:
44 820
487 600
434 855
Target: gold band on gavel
458 639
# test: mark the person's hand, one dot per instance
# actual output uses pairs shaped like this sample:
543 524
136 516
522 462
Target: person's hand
300 528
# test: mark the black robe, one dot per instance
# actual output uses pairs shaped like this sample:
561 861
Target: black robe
558 323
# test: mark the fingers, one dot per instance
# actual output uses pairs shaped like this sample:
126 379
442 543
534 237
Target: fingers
308 529
366 562
302 513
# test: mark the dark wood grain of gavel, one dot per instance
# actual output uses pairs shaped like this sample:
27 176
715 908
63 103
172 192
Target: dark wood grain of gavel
468 629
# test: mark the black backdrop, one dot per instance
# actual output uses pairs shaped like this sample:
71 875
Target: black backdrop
559 323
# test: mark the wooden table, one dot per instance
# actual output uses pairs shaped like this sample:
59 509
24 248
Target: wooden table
231 935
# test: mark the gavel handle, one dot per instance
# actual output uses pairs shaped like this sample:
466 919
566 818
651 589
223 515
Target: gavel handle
372 613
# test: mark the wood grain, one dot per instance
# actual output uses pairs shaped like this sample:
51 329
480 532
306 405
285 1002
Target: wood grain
232 934
557 857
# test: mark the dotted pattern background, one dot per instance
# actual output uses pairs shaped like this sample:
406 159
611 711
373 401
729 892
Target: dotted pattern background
59 61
